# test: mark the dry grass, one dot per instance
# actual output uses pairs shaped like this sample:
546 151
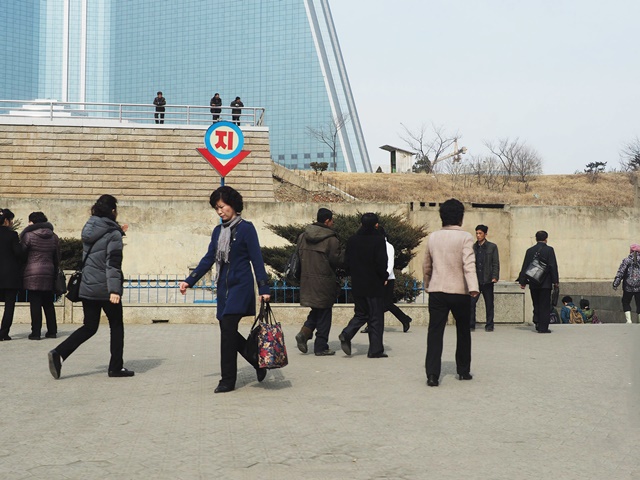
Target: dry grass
611 189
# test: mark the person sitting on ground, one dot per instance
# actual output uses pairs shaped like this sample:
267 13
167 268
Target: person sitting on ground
587 311
565 313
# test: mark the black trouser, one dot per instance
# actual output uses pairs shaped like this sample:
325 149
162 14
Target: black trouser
541 298
626 301
389 306
92 310
440 304
216 115
39 301
369 310
159 113
487 293
231 343
319 319
235 119
8 296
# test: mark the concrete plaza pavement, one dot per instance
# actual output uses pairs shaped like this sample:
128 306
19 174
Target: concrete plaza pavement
558 406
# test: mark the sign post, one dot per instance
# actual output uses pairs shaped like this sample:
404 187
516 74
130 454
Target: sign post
223 142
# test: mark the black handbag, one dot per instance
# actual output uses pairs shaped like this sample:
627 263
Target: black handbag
536 272
73 287
60 283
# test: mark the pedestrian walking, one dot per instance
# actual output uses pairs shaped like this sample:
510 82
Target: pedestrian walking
541 291
629 275
320 255
235 251
101 287
366 262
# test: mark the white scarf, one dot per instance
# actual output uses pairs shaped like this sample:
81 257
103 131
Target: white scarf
224 244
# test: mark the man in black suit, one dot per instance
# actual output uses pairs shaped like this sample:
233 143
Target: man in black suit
541 292
366 261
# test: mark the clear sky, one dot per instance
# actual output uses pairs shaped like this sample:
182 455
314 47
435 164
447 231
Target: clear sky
562 75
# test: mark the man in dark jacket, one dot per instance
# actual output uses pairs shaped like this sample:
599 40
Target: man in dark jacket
488 271
320 255
216 104
366 261
236 110
541 292
159 102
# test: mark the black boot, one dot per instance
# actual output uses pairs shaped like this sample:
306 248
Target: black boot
302 338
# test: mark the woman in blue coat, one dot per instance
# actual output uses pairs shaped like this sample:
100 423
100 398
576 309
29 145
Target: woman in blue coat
234 249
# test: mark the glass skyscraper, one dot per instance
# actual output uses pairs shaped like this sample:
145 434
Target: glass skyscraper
279 54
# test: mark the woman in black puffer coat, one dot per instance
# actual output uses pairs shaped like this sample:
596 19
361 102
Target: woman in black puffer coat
10 266
42 248
101 287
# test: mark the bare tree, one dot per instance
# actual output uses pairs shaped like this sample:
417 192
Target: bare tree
630 156
328 134
518 160
429 146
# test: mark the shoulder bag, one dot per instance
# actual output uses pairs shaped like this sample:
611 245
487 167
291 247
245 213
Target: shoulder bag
537 270
73 287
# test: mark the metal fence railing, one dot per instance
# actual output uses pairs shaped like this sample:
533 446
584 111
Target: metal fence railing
164 289
126 112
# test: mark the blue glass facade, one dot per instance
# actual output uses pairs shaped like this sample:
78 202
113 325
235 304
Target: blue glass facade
279 54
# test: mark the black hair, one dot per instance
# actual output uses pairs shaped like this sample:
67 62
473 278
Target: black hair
105 206
229 196
37 217
323 215
584 304
6 214
541 236
451 212
482 228
567 299
368 221
159 93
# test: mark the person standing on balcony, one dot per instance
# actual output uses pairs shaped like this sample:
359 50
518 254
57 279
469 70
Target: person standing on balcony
42 249
101 287
159 102
488 270
236 110
234 249
320 255
216 104
11 257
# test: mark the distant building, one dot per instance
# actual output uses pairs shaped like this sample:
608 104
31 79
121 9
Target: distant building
401 161
279 54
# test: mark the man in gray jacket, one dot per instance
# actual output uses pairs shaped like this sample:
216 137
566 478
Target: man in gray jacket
488 270
320 255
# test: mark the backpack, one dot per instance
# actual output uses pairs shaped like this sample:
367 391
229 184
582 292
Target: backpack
293 267
553 317
594 318
632 276
575 316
